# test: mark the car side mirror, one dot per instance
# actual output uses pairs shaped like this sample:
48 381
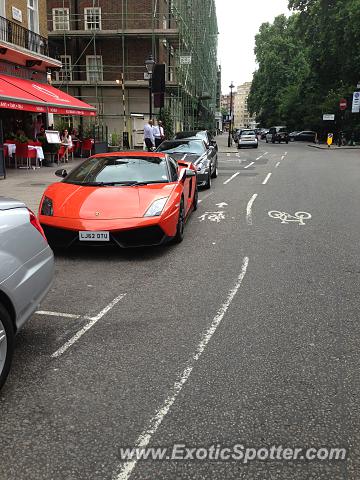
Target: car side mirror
187 173
61 173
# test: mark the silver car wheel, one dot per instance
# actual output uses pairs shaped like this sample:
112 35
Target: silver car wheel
3 346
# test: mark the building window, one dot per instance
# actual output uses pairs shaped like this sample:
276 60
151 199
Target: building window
61 19
65 74
94 68
92 18
33 15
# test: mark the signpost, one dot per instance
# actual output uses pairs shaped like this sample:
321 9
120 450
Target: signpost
343 104
185 60
330 139
356 102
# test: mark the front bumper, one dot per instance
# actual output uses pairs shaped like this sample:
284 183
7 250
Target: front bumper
124 233
202 177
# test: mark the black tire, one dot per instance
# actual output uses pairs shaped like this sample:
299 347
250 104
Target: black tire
267 141
179 237
272 141
7 333
215 172
208 183
196 199
287 141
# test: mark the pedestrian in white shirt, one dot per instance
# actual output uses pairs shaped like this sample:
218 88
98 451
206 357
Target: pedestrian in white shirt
149 136
158 131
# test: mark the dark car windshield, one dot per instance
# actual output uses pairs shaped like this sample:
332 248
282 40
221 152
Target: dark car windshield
192 146
120 171
248 132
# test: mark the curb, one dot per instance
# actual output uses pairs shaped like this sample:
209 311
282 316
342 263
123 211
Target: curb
334 149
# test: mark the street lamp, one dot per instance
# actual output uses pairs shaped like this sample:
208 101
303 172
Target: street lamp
231 109
150 64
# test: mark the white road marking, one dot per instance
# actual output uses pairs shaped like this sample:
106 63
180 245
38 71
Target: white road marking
250 164
221 204
87 327
205 197
231 178
285 153
249 209
286 218
258 158
266 153
267 178
146 436
278 163
57 314
228 154
283 157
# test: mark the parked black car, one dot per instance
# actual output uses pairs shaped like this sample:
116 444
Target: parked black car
277 134
196 151
204 135
305 136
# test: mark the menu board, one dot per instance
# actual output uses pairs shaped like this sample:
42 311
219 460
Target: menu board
52 136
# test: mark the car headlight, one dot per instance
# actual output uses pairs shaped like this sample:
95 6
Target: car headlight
156 207
199 167
47 207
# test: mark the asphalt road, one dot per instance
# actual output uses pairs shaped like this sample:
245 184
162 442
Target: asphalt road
245 333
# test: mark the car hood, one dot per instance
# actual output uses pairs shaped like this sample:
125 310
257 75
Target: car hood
104 203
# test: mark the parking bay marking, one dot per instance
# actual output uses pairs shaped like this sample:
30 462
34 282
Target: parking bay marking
278 163
57 314
91 323
231 178
267 178
146 436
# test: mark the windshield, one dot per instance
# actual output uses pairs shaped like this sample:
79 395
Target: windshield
120 171
247 132
192 147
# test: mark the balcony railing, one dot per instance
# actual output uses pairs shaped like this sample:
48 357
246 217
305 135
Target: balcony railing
13 33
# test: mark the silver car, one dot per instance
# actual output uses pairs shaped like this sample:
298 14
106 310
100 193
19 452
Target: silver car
248 138
26 273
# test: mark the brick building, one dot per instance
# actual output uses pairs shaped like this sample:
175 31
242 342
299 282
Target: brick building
103 45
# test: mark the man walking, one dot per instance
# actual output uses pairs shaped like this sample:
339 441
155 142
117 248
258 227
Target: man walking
158 131
149 136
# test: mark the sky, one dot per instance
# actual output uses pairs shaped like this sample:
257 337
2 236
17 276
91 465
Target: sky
238 23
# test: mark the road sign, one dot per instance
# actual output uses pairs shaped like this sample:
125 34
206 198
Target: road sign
343 104
147 76
356 102
185 60
330 138
329 117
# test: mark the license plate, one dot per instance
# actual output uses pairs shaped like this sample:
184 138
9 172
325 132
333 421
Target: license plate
94 236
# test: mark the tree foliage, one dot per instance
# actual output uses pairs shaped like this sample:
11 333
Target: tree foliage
306 63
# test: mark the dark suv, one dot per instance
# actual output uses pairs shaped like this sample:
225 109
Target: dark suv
277 134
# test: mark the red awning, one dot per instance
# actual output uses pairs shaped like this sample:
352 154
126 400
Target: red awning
20 94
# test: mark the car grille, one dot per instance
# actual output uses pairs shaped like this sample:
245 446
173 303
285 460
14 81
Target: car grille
137 237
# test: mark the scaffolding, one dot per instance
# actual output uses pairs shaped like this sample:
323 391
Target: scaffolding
180 33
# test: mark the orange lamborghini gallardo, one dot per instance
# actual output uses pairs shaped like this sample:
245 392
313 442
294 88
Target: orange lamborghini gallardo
128 199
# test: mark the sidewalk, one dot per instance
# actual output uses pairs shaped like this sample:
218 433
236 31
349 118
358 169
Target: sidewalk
222 141
29 185
334 147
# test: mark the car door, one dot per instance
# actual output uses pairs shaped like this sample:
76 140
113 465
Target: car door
188 185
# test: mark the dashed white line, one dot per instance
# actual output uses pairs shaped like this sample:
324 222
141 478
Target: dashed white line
231 178
250 164
146 436
278 163
267 178
228 154
283 157
285 153
258 158
87 327
249 209
57 314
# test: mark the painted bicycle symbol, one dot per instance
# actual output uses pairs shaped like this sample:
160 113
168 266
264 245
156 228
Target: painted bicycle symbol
286 218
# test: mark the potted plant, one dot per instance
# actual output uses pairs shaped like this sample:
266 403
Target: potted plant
114 144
